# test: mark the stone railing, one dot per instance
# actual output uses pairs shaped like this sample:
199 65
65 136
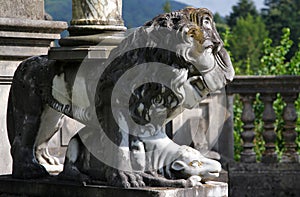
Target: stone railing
268 88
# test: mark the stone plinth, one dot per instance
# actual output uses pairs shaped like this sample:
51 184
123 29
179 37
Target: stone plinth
54 187
20 38
77 48
260 179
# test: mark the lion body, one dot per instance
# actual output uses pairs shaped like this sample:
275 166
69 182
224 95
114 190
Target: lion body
181 40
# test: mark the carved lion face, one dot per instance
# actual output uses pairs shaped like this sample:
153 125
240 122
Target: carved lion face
208 54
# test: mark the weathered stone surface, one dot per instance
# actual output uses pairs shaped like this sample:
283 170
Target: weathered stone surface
31 9
20 38
34 26
80 53
264 84
264 179
54 187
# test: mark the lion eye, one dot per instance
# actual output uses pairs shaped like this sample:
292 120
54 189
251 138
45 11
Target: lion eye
206 23
158 100
195 163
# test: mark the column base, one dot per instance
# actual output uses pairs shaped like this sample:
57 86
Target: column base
79 30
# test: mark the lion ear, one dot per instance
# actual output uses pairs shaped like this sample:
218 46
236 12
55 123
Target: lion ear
178 165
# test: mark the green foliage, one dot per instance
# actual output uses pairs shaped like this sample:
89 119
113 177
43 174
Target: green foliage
247 42
237 114
220 23
167 6
273 62
280 14
241 10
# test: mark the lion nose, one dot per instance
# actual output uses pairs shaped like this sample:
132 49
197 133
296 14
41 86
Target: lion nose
217 47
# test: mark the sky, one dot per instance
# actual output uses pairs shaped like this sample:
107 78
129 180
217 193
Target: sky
223 7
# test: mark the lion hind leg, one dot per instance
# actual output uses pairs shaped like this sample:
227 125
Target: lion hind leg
72 166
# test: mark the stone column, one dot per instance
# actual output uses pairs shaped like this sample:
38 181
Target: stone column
97 12
23 33
96 27
94 16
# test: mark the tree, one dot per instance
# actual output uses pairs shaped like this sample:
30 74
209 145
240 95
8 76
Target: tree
167 6
220 23
246 43
280 14
242 9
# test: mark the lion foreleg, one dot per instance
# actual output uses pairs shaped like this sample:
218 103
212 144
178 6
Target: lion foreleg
24 124
76 154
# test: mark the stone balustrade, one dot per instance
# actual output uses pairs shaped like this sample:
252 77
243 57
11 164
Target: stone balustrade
268 88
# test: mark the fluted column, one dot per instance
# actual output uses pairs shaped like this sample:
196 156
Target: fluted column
92 16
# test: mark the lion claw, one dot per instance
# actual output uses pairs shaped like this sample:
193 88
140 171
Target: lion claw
194 181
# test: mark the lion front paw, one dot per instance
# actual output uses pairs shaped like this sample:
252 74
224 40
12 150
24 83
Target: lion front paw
124 179
72 173
25 165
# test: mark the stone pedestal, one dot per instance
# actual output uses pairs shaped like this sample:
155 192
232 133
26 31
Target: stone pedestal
23 34
54 187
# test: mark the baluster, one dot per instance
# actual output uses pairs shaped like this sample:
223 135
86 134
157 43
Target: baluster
289 134
248 117
269 135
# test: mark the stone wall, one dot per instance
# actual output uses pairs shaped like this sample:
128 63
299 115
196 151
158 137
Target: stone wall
259 179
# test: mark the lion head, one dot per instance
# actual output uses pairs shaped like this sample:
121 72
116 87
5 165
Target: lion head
174 60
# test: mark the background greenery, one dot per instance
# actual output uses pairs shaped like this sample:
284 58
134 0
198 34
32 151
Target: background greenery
261 42
264 42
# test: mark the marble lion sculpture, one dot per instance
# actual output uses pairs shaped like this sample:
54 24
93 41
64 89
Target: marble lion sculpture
169 64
